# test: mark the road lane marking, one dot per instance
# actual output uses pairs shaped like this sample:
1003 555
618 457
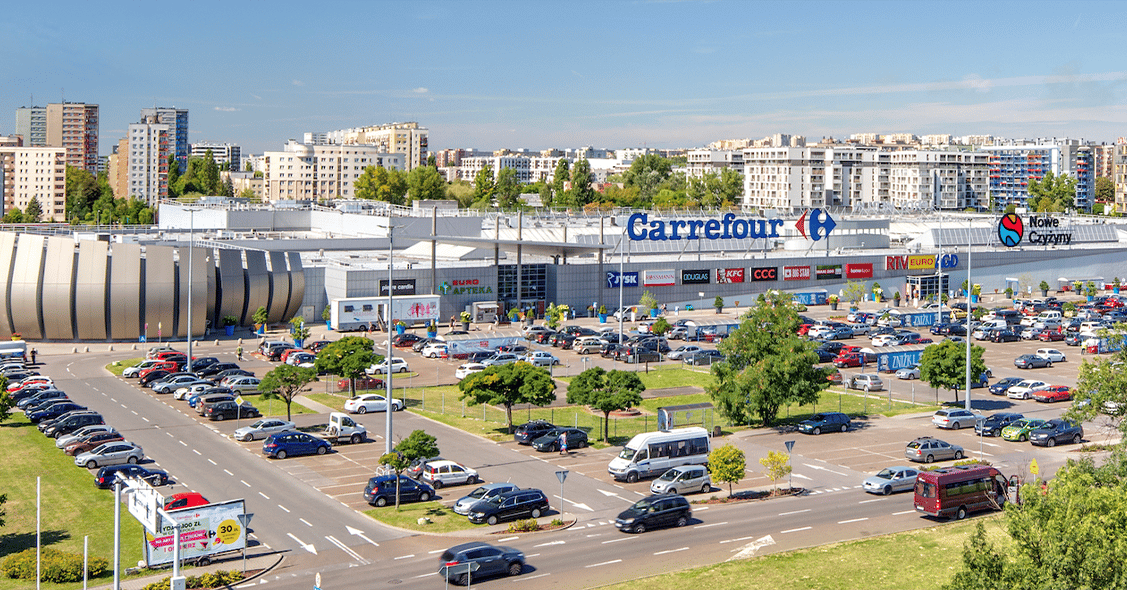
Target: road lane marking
183 443
144 418
283 508
212 462
197 452
904 512
522 579
170 434
245 483
507 539
405 556
228 473
852 520
873 500
604 563
427 575
738 540
550 543
794 512
263 495
343 547
704 526
617 540
305 521
671 551
805 528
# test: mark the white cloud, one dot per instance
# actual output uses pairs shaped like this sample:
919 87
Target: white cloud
298 83
226 109
420 90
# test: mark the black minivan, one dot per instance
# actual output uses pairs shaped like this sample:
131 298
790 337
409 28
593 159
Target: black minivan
654 512
509 506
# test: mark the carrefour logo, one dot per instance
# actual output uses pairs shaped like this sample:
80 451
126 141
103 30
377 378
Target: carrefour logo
821 224
1010 230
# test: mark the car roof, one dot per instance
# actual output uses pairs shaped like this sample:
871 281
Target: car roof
443 462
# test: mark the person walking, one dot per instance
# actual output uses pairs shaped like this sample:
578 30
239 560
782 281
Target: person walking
563 443
239 353
33 353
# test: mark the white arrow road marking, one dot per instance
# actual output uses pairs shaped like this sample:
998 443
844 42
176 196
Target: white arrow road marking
360 533
343 547
820 468
606 493
800 476
576 504
750 549
307 547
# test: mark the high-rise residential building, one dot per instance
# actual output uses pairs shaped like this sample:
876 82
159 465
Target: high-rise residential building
1104 160
325 171
145 163
222 153
407 139
1015 163
177 121
31 124
702 161
1119 175
74 126
118 173
33 172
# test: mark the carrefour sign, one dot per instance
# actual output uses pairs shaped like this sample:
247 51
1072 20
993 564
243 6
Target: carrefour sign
640 228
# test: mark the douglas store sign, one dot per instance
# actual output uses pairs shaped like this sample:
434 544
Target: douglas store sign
696 277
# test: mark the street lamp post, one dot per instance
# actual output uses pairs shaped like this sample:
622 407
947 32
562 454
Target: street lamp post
388 408
191 242
970 289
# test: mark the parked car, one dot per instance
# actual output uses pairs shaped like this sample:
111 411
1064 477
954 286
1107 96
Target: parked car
1006 335
1025 389
435 350
90 441
371 402
184 500
1019 430
482 492
62 441
530 431
380 490
405 340
284 444
681 351
1032 361
526 503
1055 431
704 358
173 383
263 428
654 512
454 564
446 473
215 369
825 422
1003 385
683 479
891 479
540 358
243 383
927 450
275 350
467 369
135 370
303 359
1054 393
550 441
106 476
954 418
639 354
56 409
993 424
230 410
415 469
866 382
39 398
1053 355
112 453
912 372
362 383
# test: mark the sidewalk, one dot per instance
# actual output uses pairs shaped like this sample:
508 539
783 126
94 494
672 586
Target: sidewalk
257 564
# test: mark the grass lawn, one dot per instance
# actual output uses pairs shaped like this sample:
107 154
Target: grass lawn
118 367
924 558
274 407
666 376
71 506
333 400
442 519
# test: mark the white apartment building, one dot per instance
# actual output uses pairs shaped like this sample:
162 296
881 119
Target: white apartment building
703 161
33 172
940 179
328 171
222 153
145 164
528 169
408 139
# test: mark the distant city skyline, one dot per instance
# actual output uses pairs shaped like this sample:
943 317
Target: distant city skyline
611 74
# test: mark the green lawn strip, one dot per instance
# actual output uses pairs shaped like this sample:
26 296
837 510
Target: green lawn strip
119 367
666 376
71 506
273 407
924 558
333 400
442 519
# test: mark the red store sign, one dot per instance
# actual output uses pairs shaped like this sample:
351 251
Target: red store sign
859 271
729 275
796 273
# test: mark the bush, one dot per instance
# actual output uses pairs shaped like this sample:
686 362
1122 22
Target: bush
557 522
57 566
208 580
524 526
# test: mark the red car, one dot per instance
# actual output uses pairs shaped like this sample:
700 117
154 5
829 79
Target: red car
162 366
852 359
286 353
804 328
1055 393
362 383
1051 336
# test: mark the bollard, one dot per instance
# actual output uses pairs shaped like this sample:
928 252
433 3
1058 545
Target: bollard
217 342
134 346
86 349
110 349
74 350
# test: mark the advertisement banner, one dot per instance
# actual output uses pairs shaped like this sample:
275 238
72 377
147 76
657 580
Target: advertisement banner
402 287
629 279
696 277
765 273
796 273
920 262
659 278
729 275
859 271
204 530
829 271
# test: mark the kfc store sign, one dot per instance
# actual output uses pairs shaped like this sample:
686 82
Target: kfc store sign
729 275
796 273
659 278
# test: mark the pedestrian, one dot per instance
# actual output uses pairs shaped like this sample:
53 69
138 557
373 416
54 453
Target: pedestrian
451 322
33 353
239 353
563 444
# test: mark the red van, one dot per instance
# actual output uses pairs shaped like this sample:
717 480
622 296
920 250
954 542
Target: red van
184 500
957 491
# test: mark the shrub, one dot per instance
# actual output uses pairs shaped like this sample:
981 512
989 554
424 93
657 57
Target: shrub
56 566
524 526
557 522
208 580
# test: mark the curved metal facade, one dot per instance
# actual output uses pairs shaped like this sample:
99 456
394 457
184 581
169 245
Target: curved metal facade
53 289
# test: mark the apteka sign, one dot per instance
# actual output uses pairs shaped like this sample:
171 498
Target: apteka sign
639 227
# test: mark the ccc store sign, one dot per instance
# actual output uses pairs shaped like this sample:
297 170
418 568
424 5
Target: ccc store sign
764 273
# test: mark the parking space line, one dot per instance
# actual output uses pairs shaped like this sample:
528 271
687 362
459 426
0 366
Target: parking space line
263 495
228 473
283 508
305 521
852 520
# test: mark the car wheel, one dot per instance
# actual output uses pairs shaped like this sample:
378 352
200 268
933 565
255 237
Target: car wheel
362 410
281 454
1021 438
961 513
1049 364
886 490
632 477
1052 442
91 464
219 417
355 439
535 513
640 528
844 427
491 520
403 370
463 580
682 521
929 459
1076 439
704 489
672 491
958 455
817 430
515 568
956 426
322 450
438 486
424 496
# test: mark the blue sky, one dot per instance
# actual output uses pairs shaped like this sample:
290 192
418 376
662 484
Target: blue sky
538 74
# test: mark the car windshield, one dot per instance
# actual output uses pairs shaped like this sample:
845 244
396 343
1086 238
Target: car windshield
627 453
258 424
885 474
641 505
477 493
669 475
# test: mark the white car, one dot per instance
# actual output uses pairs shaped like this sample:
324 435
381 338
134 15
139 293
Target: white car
889 321
111 453
135 370
885 339
1026 388
434 350
683 351
819 331
304 360
398 365
189 391
1052 354
65 440
468 369
370 402
540 358
445 473
908 373
263 428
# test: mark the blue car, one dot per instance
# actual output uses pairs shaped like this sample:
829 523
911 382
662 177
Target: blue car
285 444
54 411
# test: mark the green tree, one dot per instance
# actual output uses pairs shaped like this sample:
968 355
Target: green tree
174 176
647 173
715 190
507 385
1105 384
460 191
82 190
432 162
983 565
417 445
944 365
660 327
425 183
560 177
248 194
347 357
1052 193
507 189
285 382
33 213
381 184
767 364
776 466
606 392
1105 190
582 191
853 292
209 175
6 402
728 465
484 186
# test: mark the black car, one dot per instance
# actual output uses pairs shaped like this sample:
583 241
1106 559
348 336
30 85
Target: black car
415 469
274 352
106 475
561 340
422 343
550 441
825 422
39 397
530 431
1004 385
152 376
453 565
655 512
1056 431
230 410
610 349
639 355
832 346
216 378
509 506
63 427
215 369
405 340
203 363
824 356
380 490
45 424
704 358
513 348
993 424
54 411
1006 335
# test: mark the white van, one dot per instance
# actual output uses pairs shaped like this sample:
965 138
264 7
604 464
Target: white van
653 453
1044 317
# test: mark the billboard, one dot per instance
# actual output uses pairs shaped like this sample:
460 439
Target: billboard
629 279
859 271
796 273
696 277
764 273
204 530
729 275
828 271
402 287
659 278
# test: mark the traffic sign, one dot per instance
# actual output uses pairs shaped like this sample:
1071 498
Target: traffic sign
561 475
790 445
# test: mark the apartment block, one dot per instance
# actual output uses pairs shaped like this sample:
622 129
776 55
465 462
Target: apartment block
704 161
177 121
1017 162
222 153
74 126
33 172
309 172
941 179
408 139
31 124
146 160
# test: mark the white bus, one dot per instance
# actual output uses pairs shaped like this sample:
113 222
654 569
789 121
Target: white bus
653 453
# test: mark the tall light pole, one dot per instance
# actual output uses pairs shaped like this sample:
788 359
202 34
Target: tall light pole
622 280
191 242
970 289
388 408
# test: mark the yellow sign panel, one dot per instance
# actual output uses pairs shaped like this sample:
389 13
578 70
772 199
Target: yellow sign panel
1033 467
921 262
228 532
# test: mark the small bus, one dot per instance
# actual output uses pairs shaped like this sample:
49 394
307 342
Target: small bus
954 492
653 453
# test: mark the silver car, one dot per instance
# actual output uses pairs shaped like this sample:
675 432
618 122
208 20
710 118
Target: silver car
891 479
683 480
263 428
111 453
63 441
483 492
